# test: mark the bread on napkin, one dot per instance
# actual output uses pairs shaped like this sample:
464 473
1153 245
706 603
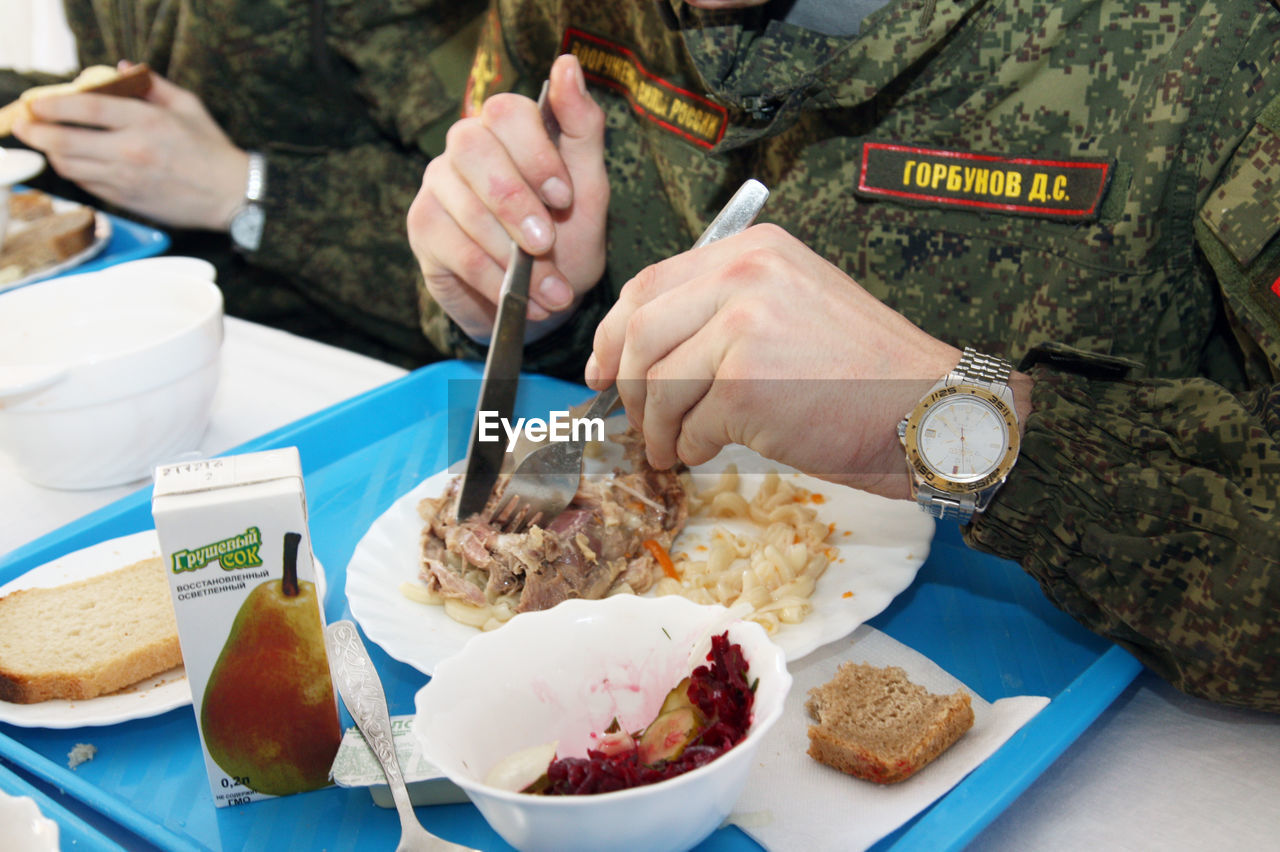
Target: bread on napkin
874 723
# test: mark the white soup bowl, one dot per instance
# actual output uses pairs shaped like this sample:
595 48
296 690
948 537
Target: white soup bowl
106 374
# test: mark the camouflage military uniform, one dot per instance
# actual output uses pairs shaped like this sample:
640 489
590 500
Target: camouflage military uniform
341 96
1090 188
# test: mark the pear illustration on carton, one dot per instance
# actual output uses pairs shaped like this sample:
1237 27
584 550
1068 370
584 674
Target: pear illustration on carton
269 716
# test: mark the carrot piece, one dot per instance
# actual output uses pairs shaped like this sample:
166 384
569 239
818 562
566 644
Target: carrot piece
664 559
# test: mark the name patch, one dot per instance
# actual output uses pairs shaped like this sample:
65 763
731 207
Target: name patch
678 110
1024 186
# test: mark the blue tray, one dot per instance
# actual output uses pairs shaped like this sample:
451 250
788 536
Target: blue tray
73 832
979 617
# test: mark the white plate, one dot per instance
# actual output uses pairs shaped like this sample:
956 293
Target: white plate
101 236
150 697
887 543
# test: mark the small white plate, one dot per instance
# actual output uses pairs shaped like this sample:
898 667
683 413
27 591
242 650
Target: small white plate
881 544
150 697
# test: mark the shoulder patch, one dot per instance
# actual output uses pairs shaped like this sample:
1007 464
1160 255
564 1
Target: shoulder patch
689 115
1054 188
488 66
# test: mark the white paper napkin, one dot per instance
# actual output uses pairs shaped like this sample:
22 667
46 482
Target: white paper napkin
793 802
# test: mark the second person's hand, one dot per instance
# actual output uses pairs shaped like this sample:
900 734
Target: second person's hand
163 157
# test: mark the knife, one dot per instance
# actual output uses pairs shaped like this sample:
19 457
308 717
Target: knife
502 364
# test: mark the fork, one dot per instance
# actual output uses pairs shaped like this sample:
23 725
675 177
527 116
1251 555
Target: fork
545 481
361 689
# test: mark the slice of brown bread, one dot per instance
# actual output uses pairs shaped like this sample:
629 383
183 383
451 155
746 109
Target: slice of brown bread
89 637
48 240
874 723
29 205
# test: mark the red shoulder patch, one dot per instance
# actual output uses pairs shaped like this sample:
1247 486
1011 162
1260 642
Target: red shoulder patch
684 113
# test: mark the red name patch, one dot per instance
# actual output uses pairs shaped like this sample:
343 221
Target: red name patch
1025 186
678 110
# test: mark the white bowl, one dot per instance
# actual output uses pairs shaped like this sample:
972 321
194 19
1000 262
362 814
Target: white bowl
564 674
106 374
26 829
16 165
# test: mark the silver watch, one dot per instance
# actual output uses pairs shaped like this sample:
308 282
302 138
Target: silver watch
248 220
961 439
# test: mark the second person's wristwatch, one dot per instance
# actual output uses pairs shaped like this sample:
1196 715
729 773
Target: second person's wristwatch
248 220
962 437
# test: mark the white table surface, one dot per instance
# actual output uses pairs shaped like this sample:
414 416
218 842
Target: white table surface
1157 770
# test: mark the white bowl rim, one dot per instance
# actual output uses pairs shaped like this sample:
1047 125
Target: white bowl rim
191 323
760 726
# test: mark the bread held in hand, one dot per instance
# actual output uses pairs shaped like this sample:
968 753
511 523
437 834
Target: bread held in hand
98 79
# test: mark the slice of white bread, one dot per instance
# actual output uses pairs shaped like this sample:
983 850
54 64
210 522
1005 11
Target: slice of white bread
99 79
89 637
874 723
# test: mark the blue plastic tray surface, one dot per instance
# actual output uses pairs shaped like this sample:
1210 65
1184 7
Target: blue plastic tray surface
978 616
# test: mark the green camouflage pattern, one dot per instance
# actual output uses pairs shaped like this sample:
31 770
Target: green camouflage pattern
1145 506
349 99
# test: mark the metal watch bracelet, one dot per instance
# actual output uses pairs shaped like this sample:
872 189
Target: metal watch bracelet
985 371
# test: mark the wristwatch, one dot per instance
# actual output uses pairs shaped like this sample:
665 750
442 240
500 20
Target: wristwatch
962 438
249 218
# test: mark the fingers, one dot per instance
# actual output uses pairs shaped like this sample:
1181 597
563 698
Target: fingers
481 253
502 178
581 121
745 252
653 331
63 143
87 109
669 401
164 92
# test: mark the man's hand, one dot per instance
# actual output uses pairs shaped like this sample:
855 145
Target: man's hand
163 157
756 340
499 179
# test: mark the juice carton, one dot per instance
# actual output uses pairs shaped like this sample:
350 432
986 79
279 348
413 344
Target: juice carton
233 534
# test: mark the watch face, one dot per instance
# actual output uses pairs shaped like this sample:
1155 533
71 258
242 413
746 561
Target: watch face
961 439
246 227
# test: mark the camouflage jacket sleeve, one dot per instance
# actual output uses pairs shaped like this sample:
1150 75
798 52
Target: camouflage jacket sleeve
335 216
1150 510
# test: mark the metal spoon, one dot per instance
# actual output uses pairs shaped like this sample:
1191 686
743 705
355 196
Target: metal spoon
362 692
